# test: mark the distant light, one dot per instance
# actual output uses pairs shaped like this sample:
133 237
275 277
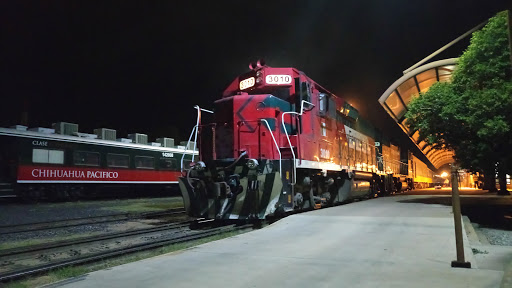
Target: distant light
444 174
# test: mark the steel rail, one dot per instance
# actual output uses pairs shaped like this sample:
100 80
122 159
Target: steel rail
30 227
117 252
107 236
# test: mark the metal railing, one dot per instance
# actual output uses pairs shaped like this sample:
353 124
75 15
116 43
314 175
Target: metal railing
194 132
275 143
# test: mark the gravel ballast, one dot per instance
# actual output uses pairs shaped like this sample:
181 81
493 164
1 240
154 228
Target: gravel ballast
15 214
497 236
19 213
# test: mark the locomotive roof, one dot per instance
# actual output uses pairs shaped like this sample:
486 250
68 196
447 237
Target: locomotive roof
76 139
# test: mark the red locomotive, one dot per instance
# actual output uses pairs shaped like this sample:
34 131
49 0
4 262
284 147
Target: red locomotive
280 142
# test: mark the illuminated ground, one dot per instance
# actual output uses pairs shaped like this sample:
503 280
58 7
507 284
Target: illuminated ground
448 191
384 242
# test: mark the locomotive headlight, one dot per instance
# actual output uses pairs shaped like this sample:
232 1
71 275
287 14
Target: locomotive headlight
199 166
259 73
252 163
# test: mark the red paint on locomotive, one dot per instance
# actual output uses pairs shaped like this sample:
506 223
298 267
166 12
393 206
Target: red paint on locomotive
321 155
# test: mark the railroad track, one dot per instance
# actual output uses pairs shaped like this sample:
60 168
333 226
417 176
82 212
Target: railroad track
22 262
31 227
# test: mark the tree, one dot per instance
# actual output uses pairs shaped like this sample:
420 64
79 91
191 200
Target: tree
472 115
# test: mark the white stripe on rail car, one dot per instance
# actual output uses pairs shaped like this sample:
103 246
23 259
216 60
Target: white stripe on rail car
107 182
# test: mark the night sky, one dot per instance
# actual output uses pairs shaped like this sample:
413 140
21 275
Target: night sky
142 66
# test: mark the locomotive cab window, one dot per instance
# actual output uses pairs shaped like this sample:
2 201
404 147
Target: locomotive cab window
47 156
144 162
85 158
118 160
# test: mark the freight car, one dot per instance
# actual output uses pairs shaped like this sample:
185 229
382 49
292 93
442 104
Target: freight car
41 164
420 173
278 142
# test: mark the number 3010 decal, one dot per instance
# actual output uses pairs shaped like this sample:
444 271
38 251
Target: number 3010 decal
278 79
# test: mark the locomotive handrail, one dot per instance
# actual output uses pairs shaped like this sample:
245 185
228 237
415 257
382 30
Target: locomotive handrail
196 128
275 143
294 178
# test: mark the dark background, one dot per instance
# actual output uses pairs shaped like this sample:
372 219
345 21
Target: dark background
142 66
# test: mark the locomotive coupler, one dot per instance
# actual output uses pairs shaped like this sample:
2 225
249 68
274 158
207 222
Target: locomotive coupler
234 186
253 193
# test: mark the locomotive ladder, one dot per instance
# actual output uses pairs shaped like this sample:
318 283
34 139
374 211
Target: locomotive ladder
294 177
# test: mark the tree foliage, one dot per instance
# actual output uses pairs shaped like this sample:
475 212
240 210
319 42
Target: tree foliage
472 114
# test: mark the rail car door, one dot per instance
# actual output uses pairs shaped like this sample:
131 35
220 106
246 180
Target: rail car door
4 167
8 160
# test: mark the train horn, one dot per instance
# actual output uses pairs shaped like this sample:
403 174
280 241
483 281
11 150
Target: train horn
260 63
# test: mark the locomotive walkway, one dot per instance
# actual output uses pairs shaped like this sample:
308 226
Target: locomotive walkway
384 242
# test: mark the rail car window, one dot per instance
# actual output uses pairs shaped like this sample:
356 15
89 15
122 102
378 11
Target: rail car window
85 158
144 162
56 156
47 156
168 164
40 156
186 163
118 160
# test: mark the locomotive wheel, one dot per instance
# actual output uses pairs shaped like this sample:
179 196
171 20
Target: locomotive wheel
399 187
312 200
375 188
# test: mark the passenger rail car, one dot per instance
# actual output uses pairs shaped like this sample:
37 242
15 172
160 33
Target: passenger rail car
37 165
278 142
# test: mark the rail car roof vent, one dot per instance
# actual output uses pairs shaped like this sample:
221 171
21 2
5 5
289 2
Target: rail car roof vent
124 140
105 133
166 142
19 127
65 128
42 130
190 145
139 138
86 135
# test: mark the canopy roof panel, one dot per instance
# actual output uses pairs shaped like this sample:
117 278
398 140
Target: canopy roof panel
398 96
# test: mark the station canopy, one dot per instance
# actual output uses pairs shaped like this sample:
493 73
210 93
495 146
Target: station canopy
398 96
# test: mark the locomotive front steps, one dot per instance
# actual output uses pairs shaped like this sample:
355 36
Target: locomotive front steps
286 152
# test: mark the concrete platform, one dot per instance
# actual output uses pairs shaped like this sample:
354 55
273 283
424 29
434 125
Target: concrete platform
378 243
